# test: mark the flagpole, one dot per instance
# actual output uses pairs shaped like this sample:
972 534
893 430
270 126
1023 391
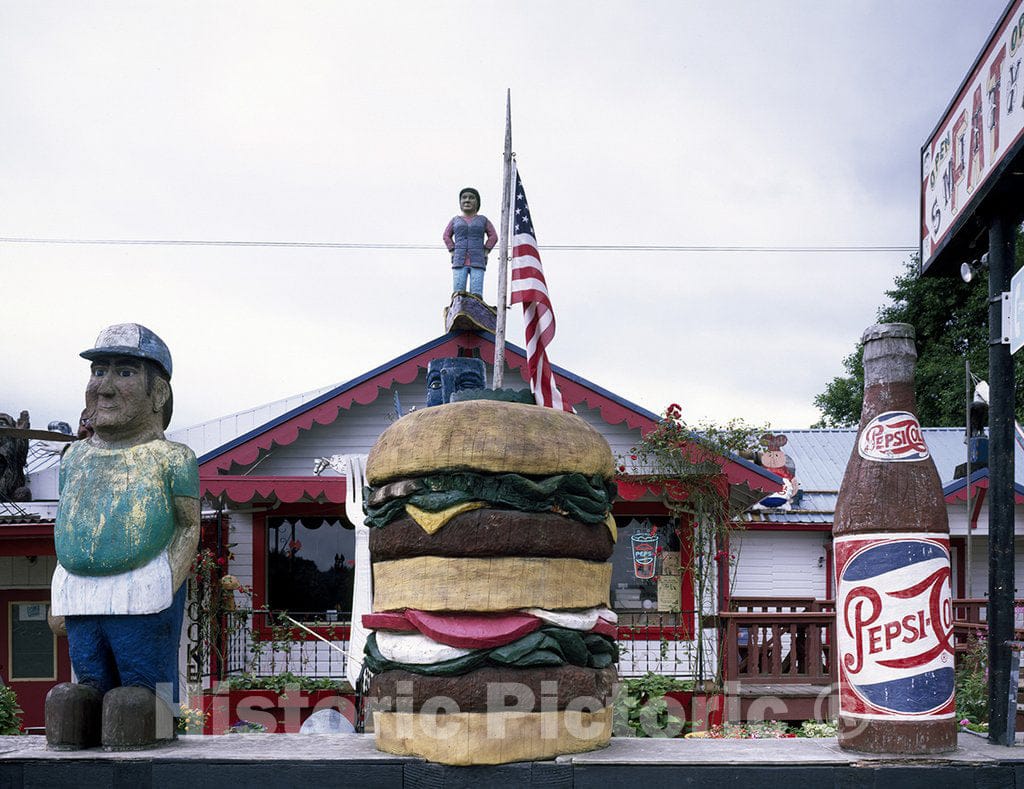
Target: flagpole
498 376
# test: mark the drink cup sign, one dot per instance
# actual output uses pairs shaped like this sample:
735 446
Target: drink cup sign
645 551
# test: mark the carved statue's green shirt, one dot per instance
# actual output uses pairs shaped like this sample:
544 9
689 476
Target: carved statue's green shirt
116 508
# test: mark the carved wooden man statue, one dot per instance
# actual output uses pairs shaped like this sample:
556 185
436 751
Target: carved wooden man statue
126 533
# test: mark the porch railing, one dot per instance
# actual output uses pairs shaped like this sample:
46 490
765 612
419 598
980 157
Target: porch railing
769 640
970 618
779 647
261 642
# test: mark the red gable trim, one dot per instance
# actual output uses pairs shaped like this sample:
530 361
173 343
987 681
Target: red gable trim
326 413
977 489
406 372
245 490
573 392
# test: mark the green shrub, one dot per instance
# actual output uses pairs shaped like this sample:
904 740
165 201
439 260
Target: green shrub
972 681
641 710
282 682
10 712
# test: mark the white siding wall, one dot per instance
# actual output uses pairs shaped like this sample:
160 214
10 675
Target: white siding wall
240 538
979 568
958 519
17 572
355 431
779 563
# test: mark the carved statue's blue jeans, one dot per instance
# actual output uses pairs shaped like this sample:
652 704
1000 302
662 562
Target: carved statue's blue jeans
476 279
136 650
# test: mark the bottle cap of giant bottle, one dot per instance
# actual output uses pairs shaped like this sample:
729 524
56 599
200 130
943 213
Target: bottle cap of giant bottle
894 619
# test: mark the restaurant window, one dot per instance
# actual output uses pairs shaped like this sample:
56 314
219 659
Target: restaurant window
310 567
645 571
33 645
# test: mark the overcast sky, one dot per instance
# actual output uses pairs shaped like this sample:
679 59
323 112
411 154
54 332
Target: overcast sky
666 123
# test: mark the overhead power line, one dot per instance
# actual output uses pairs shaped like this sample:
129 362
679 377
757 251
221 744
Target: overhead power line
786 248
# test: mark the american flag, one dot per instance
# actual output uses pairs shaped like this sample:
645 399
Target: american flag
530 289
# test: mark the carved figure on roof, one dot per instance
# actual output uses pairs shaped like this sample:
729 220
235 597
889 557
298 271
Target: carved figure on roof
469 238
445 377
126 532
782 465
13 457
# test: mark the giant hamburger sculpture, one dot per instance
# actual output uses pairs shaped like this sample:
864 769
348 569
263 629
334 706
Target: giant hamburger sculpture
492 641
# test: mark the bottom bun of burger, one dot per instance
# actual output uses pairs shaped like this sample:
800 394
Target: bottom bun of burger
494 689
468 738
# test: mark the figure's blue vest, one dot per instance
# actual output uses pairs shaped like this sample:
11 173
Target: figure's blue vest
469 234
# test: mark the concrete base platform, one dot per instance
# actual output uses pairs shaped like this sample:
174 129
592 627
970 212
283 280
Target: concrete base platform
282 760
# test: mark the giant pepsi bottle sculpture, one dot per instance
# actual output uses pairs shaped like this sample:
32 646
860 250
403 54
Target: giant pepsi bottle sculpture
894 622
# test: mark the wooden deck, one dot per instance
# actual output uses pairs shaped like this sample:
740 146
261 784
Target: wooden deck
780 659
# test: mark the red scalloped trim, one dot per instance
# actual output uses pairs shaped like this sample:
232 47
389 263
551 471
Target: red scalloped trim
244 490
326 413
365 393
631 488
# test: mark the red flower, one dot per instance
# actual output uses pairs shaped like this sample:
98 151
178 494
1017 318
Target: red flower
632 457
222 561
674 411
622 468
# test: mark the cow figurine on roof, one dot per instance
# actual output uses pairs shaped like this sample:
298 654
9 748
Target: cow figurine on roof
126 533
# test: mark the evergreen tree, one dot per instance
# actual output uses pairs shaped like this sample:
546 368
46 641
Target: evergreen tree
951 319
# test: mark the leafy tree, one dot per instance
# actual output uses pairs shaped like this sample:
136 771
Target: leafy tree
951 319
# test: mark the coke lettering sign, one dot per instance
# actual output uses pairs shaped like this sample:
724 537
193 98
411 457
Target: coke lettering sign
894 626
894 436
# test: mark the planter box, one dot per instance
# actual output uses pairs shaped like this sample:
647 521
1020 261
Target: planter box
280 713
706 709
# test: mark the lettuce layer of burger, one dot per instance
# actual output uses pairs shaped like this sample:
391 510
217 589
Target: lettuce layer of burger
491 532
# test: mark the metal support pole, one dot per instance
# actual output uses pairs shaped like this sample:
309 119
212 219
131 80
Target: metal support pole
498 374
1000 496
968 586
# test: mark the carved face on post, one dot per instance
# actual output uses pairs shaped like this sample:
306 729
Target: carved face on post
125 399
445 377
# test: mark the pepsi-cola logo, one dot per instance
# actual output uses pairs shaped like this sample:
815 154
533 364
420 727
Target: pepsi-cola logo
895 626
643 554
893 436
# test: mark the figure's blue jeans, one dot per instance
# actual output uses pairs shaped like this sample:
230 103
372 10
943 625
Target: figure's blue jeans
476 279
135 650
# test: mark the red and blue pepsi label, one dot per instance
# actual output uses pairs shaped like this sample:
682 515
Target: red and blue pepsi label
893 436
894 626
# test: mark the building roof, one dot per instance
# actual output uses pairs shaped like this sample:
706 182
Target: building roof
821 455
748 481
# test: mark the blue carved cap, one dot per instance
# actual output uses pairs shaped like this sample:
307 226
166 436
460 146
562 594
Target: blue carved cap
130 339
